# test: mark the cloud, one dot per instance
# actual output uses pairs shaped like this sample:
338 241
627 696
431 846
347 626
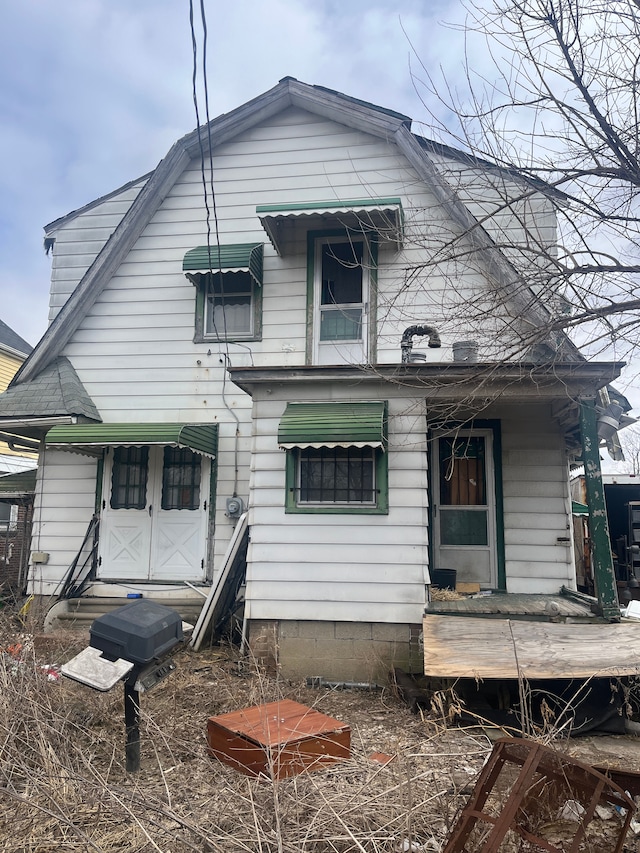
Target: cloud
94 93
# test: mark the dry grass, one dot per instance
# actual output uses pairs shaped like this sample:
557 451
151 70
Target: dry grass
63 786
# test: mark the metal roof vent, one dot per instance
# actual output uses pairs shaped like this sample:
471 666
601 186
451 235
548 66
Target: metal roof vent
465 351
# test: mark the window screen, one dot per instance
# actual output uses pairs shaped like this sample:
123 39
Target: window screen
129 478
181 473
462 471
229 305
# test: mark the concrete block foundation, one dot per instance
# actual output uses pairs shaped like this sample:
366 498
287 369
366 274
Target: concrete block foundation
336 651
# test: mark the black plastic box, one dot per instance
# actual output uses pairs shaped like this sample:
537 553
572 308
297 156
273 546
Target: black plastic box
140 632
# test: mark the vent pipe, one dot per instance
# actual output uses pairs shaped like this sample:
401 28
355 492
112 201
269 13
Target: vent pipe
465 351
406 343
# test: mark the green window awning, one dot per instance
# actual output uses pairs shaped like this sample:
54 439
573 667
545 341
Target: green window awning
233 257
92 438
384 216
579 509
18 485
333 425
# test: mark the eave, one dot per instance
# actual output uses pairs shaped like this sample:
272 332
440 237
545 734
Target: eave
473 383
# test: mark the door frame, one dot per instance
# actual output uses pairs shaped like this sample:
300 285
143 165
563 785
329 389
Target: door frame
449 428
154 492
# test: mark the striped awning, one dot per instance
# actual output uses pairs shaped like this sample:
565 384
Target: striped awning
333 425
18 484
90 439
384 216
232 257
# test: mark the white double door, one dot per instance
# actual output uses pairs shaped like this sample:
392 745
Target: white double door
150 543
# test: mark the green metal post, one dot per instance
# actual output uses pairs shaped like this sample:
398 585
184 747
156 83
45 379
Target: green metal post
603 574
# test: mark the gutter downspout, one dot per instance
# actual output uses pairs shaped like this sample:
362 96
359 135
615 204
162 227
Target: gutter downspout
603 573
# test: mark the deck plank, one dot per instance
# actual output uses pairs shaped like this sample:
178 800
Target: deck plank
471 647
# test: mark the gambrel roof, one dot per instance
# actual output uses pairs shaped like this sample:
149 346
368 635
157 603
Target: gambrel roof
289 92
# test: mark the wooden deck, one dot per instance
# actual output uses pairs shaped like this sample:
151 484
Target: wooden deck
499 647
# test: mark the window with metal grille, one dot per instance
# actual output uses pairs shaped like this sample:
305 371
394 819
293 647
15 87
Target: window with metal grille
129 478
337 475
181 474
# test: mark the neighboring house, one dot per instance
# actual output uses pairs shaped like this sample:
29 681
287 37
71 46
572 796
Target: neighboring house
256 355
15 507
622 498
13 351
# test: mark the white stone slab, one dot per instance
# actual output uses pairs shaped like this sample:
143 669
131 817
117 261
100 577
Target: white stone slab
90 668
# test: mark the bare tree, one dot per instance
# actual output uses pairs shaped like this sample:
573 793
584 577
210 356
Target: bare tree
558 117
630 440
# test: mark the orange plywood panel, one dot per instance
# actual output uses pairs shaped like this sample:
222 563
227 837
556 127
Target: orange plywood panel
277 739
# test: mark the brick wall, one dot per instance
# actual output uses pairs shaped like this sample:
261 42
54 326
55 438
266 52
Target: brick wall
14 553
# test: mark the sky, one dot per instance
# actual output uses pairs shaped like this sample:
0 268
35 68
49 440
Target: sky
93 93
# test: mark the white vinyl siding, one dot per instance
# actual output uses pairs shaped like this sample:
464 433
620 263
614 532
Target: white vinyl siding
339 567
79 239
536 503
134 353
64 503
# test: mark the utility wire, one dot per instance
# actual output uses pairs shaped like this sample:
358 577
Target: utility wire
217 269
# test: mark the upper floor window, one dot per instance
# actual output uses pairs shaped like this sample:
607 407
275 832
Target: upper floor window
343 270
8 516
228 281
342 236
229 306
341 290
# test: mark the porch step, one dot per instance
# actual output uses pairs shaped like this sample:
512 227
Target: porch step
80 613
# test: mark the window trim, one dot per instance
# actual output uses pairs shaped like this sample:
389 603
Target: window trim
371 243
381 507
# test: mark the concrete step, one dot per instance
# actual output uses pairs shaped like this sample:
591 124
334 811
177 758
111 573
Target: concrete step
80 613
